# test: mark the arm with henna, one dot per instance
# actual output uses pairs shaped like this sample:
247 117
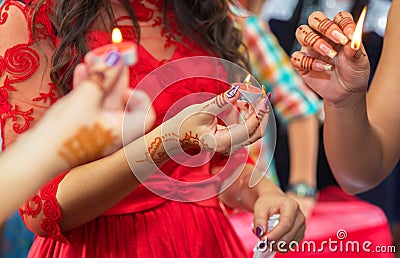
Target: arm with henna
361 130
368 125
110 179
295 105
264 198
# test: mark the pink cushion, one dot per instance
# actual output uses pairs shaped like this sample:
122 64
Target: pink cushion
336 214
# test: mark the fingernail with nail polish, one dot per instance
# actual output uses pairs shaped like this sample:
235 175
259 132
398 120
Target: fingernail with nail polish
259 231
328 51
267 100
112 58
232 92
321 66
340 37
266 103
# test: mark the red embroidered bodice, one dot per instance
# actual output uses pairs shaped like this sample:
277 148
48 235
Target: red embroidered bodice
26 91
24 94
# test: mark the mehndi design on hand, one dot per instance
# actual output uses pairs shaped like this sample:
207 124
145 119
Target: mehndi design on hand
88 143
310 63
308 37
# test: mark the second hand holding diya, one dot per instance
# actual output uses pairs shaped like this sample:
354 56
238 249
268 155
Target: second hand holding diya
127 52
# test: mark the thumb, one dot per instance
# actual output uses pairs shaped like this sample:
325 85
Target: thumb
81 72
348 26
355 56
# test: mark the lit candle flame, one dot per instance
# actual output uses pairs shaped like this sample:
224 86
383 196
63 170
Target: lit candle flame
116 35
264 90
357 36
247 81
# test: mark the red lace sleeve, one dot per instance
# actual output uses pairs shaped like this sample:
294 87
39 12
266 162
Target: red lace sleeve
44 207
25 88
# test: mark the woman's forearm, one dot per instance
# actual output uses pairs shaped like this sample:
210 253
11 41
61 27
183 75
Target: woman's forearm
303 146
240 195
25 166
352 147
89 190
384 95
362 149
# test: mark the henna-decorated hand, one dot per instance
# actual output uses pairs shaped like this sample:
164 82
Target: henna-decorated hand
89 119
326 62
197 125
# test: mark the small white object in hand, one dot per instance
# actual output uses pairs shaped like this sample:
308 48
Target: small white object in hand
261 250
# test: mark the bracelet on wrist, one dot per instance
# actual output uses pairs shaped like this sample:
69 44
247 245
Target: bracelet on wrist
303 190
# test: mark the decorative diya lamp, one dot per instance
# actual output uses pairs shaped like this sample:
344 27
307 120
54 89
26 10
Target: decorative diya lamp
357 36
127 49
249 93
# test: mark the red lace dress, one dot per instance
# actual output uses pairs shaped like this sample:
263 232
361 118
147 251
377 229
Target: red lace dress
143 224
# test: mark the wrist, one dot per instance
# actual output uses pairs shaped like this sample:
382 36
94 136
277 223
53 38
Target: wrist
303 190
303 177
352 101
267 187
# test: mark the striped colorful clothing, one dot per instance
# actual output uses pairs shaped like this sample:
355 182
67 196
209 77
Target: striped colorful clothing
291 98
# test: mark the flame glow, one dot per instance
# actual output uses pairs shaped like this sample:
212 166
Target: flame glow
357 36
264 90
116 35
247 80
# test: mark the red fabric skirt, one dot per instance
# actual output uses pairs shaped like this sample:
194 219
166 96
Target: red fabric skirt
172 229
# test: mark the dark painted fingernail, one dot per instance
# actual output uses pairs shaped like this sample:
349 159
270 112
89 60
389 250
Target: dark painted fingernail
267 100
232 92
112 58
259 231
